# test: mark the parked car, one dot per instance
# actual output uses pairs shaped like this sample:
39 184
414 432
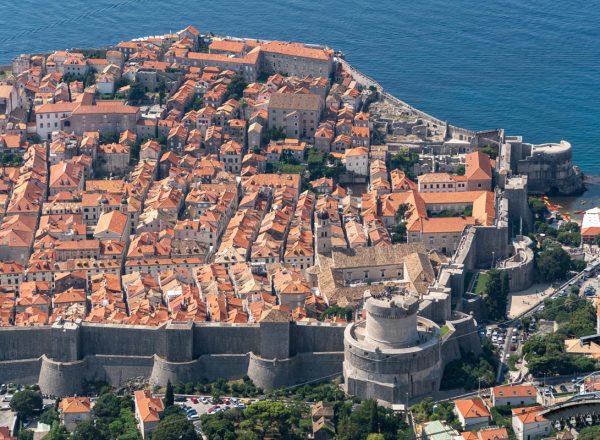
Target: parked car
180 399
194 400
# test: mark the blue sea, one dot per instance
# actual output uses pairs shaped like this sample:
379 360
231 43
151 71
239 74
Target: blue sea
531 67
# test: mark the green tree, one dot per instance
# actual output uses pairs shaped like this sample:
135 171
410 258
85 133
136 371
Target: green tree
169 395
87 430
197 104
553 262
136 93
589 433
538 207
335 310
376 437
108 406
356 424
490 150
49 416
496 291
25 434
235 89
401 212
373 416
175 427
26 403
469 369
57 432
216 395
460 171
405 161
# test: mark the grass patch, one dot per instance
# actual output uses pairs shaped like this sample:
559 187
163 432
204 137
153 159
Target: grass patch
286 168
445 329
482 280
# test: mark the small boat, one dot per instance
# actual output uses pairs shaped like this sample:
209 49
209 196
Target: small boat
579 212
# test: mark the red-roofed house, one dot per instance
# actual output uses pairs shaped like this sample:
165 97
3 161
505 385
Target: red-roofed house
472 413
74 410
148 411
528 424
514 395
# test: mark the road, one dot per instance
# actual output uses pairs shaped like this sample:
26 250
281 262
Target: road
594 264
507 342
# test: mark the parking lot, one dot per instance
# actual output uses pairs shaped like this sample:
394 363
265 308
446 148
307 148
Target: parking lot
195 406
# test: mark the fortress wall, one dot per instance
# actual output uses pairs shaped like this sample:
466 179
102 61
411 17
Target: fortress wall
490 239
297 370
229 366
62 378
26 371
274 340
226 339
306 338
466 253
271 373
121 340
520 267
116 370
463 337
176 372
179 342
24 342
319 366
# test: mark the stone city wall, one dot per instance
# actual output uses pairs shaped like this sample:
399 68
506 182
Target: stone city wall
62 357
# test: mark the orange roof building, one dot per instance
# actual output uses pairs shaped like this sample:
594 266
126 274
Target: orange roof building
148 411
472 413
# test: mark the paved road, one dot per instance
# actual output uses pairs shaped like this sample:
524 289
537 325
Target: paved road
507 342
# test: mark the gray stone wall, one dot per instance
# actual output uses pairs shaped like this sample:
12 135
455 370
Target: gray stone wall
18 343
214 338
25 371
121 340
305 338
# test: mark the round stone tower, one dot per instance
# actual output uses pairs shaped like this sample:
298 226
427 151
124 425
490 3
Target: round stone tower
392 321
394 354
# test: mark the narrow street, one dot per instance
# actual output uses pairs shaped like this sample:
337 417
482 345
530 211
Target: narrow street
503 354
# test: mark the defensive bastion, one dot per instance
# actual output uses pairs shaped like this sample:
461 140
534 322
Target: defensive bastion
60 358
